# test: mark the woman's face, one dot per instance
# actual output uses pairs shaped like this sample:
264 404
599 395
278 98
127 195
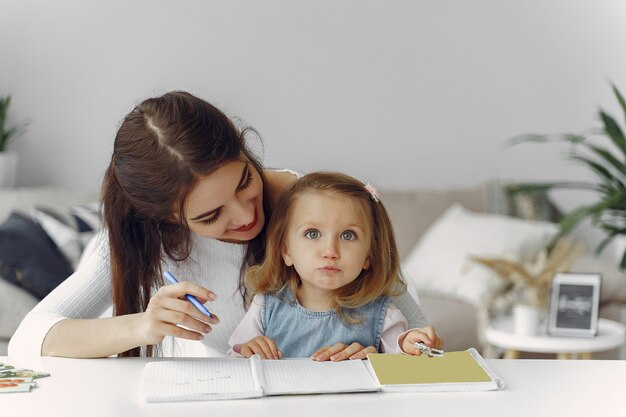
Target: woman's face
227 204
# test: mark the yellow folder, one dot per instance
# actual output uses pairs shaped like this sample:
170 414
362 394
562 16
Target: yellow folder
464 370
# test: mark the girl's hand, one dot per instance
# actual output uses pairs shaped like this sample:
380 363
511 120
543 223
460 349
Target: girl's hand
341 351
168 310
425 335
262 346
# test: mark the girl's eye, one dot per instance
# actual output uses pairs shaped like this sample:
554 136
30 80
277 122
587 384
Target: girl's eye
312 234
348 235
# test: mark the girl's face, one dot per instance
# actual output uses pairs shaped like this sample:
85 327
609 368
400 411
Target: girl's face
327 240
227 204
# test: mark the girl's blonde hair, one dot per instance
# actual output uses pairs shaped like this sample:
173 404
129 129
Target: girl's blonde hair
383 277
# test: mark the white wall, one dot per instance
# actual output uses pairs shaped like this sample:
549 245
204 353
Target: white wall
400 93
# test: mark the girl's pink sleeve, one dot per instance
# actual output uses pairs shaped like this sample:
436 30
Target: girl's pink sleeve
249 328
395 329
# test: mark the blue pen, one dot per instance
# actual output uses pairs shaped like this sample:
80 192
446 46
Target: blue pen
172 279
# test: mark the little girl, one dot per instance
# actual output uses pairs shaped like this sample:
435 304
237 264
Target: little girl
323 289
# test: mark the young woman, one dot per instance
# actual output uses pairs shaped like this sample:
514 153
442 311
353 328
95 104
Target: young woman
182 194
323 288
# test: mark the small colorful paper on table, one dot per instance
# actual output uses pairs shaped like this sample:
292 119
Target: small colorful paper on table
18 380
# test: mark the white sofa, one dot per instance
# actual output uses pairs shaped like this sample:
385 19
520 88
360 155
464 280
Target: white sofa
412 213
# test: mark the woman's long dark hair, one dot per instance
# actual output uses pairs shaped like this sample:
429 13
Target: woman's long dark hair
161 149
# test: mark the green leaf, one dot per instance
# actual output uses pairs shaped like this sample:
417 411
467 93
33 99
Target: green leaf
611 229
4 104
603 173
611 201
622 264
573 138
621 100
546 186
608 166
609 157
614 131
571 220
8 133
603 244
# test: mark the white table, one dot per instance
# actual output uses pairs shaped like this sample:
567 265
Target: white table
112 387
500 333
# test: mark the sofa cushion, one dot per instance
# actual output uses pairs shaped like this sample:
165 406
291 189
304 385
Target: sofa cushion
29 258
413 212
438 263
69 227
25 198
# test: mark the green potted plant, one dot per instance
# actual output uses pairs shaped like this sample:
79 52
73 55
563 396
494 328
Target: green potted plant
603 152
8 160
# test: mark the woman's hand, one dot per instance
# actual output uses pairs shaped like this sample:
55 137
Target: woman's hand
262 346
426 335
169 313
341 351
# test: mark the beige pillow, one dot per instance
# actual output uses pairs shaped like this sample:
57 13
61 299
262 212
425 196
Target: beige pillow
438 263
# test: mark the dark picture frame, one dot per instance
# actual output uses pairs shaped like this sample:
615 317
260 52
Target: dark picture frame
574 304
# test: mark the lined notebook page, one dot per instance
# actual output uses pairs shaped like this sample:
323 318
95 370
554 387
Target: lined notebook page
305 376
210 379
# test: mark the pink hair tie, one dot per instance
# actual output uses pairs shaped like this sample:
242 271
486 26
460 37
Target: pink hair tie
373 192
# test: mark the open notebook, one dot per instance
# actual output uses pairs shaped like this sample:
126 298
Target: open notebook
226 378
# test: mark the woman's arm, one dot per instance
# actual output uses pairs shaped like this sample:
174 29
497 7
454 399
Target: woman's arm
93 338
85 294
67 322
88 338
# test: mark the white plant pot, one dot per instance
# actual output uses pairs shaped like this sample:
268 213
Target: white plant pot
526 319
8 169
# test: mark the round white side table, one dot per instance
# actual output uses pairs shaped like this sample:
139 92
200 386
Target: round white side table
611 335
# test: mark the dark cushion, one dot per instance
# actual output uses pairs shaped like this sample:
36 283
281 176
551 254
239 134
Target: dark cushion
69 227
29 258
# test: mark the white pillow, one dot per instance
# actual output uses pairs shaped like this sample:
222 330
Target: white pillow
69 227
438 263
